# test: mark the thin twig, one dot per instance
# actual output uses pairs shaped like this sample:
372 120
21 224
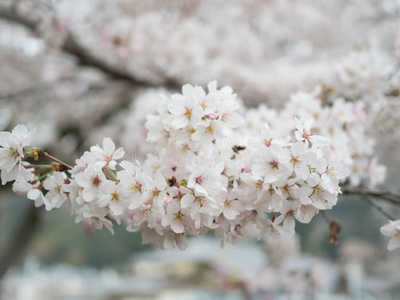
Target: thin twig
384 195
371 201
45 154
326 217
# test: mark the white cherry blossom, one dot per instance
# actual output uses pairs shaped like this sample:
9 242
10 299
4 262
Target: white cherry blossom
304 134
55 185
211 173
107 155
392 230
114 196
206 180
12 153
91 179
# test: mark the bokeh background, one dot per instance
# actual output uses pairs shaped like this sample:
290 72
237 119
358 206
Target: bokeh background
82 70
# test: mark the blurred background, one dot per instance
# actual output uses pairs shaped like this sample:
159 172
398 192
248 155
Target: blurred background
82 70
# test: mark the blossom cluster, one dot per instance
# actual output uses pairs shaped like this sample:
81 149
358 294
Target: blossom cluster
345 123
207 174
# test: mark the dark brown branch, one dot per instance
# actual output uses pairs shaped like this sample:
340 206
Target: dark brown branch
384 195
13 16
72 47
20 238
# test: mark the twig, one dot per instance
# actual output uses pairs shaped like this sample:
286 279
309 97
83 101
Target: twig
371 201
45 154
371 195
384 195
326 217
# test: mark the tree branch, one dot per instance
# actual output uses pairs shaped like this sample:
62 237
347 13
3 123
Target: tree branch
371 201
72 47
20 238
67 166
384 195
13 16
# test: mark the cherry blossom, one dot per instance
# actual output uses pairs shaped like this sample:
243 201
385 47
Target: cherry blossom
392 230
210 174
114 196
12 153
107 155
57 193
91 179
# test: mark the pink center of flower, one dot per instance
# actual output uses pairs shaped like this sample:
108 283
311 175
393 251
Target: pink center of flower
246 169
267 142
239 229
199 180
306 134
155 192
96 180
212 117
274 164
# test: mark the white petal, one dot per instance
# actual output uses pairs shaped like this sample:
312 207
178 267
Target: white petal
119 153
394 243
108 145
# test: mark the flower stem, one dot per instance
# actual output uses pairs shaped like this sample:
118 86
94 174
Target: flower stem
43 176
38 166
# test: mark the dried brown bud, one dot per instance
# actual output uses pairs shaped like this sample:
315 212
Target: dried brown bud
333 239
58 167
335 227
171 181
236 149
